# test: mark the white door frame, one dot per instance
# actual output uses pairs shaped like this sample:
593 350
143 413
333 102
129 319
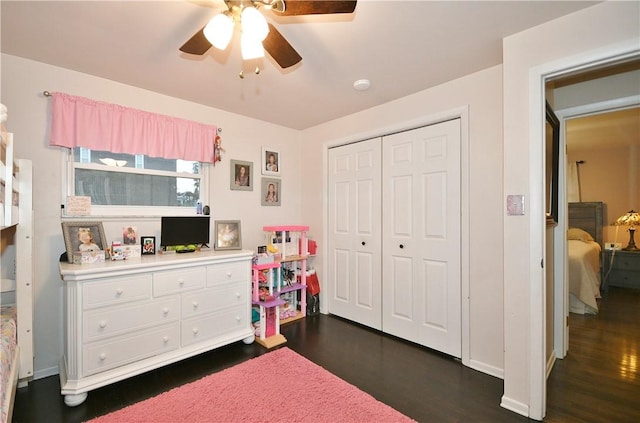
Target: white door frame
537 318
561 268
461 113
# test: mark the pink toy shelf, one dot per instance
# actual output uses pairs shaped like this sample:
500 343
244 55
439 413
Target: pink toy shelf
290 247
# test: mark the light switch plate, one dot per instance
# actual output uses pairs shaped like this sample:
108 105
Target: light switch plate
515 205
613 246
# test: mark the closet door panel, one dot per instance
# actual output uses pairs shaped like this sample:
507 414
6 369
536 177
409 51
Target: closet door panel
422 225
354 239
435 295
399 299
341 273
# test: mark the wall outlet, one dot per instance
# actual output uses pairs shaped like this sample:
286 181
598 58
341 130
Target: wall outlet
613 246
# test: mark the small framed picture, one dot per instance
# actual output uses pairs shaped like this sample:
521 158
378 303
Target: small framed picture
270 192
84 236
270 161
129 235
241 177
148 244
228 235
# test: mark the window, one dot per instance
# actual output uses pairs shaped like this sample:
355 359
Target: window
127 184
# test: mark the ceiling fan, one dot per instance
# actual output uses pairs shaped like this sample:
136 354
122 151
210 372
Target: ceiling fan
257 33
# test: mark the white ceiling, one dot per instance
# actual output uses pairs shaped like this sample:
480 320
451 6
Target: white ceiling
401 46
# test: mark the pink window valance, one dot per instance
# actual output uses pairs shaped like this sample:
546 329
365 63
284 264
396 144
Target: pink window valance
81 122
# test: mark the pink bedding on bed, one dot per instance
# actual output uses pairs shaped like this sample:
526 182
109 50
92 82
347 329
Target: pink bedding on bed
7 351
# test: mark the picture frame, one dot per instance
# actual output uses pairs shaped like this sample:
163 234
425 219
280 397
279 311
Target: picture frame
271 192
239 179
228 235
271 161
84 236
129 235
148 245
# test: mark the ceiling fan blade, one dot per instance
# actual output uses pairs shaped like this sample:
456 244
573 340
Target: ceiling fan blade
318 7
197 44
280 49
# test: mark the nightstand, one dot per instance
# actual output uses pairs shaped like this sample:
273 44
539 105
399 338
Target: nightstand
625 271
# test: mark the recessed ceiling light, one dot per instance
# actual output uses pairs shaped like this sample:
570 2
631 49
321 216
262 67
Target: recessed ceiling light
362 84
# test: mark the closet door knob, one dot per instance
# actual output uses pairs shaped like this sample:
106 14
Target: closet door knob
401 245
364 243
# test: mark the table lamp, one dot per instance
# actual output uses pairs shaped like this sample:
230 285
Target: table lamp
631 219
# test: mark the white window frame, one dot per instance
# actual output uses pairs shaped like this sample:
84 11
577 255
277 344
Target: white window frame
68 189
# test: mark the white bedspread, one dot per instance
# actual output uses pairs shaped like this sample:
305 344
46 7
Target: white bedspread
584 276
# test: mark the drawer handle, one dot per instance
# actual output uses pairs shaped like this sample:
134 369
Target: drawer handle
165 339
195 304
165 310
237 318
195 331
103 356
103 324
229 274
119 291
237 295
181 282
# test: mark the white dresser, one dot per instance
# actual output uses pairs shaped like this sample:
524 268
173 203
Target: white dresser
123 318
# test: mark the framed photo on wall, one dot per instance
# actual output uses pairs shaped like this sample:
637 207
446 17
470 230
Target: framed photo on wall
271 162
148 244
84 236
228 235
241 177
271 192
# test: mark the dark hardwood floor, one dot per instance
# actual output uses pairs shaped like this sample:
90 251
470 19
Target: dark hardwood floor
599 379
597 382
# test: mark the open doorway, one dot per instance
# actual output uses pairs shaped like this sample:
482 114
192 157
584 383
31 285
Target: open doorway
594 129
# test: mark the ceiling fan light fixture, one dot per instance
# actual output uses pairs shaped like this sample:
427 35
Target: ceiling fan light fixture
219 30
251 47
254 23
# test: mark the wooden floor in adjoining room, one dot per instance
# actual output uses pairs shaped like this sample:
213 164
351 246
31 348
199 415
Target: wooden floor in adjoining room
423 384
599 379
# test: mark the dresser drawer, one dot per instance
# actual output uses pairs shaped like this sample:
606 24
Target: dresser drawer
175 281
99 324
116 291
200 329
627 263
108 354
212 299
228 272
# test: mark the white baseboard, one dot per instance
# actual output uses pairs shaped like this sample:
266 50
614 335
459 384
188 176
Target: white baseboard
515 406
550 362
486 368
42 373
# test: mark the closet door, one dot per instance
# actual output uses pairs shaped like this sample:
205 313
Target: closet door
421 236
354 233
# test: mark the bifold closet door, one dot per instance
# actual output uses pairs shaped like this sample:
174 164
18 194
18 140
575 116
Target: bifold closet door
354 232
421 236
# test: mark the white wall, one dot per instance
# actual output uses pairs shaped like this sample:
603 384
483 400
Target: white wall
598 90
481 92
22 84
582 37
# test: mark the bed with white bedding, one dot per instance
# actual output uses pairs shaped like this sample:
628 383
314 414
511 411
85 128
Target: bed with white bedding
584 276
584 244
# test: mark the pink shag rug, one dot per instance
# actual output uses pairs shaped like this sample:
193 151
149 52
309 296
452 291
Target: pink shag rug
280 386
